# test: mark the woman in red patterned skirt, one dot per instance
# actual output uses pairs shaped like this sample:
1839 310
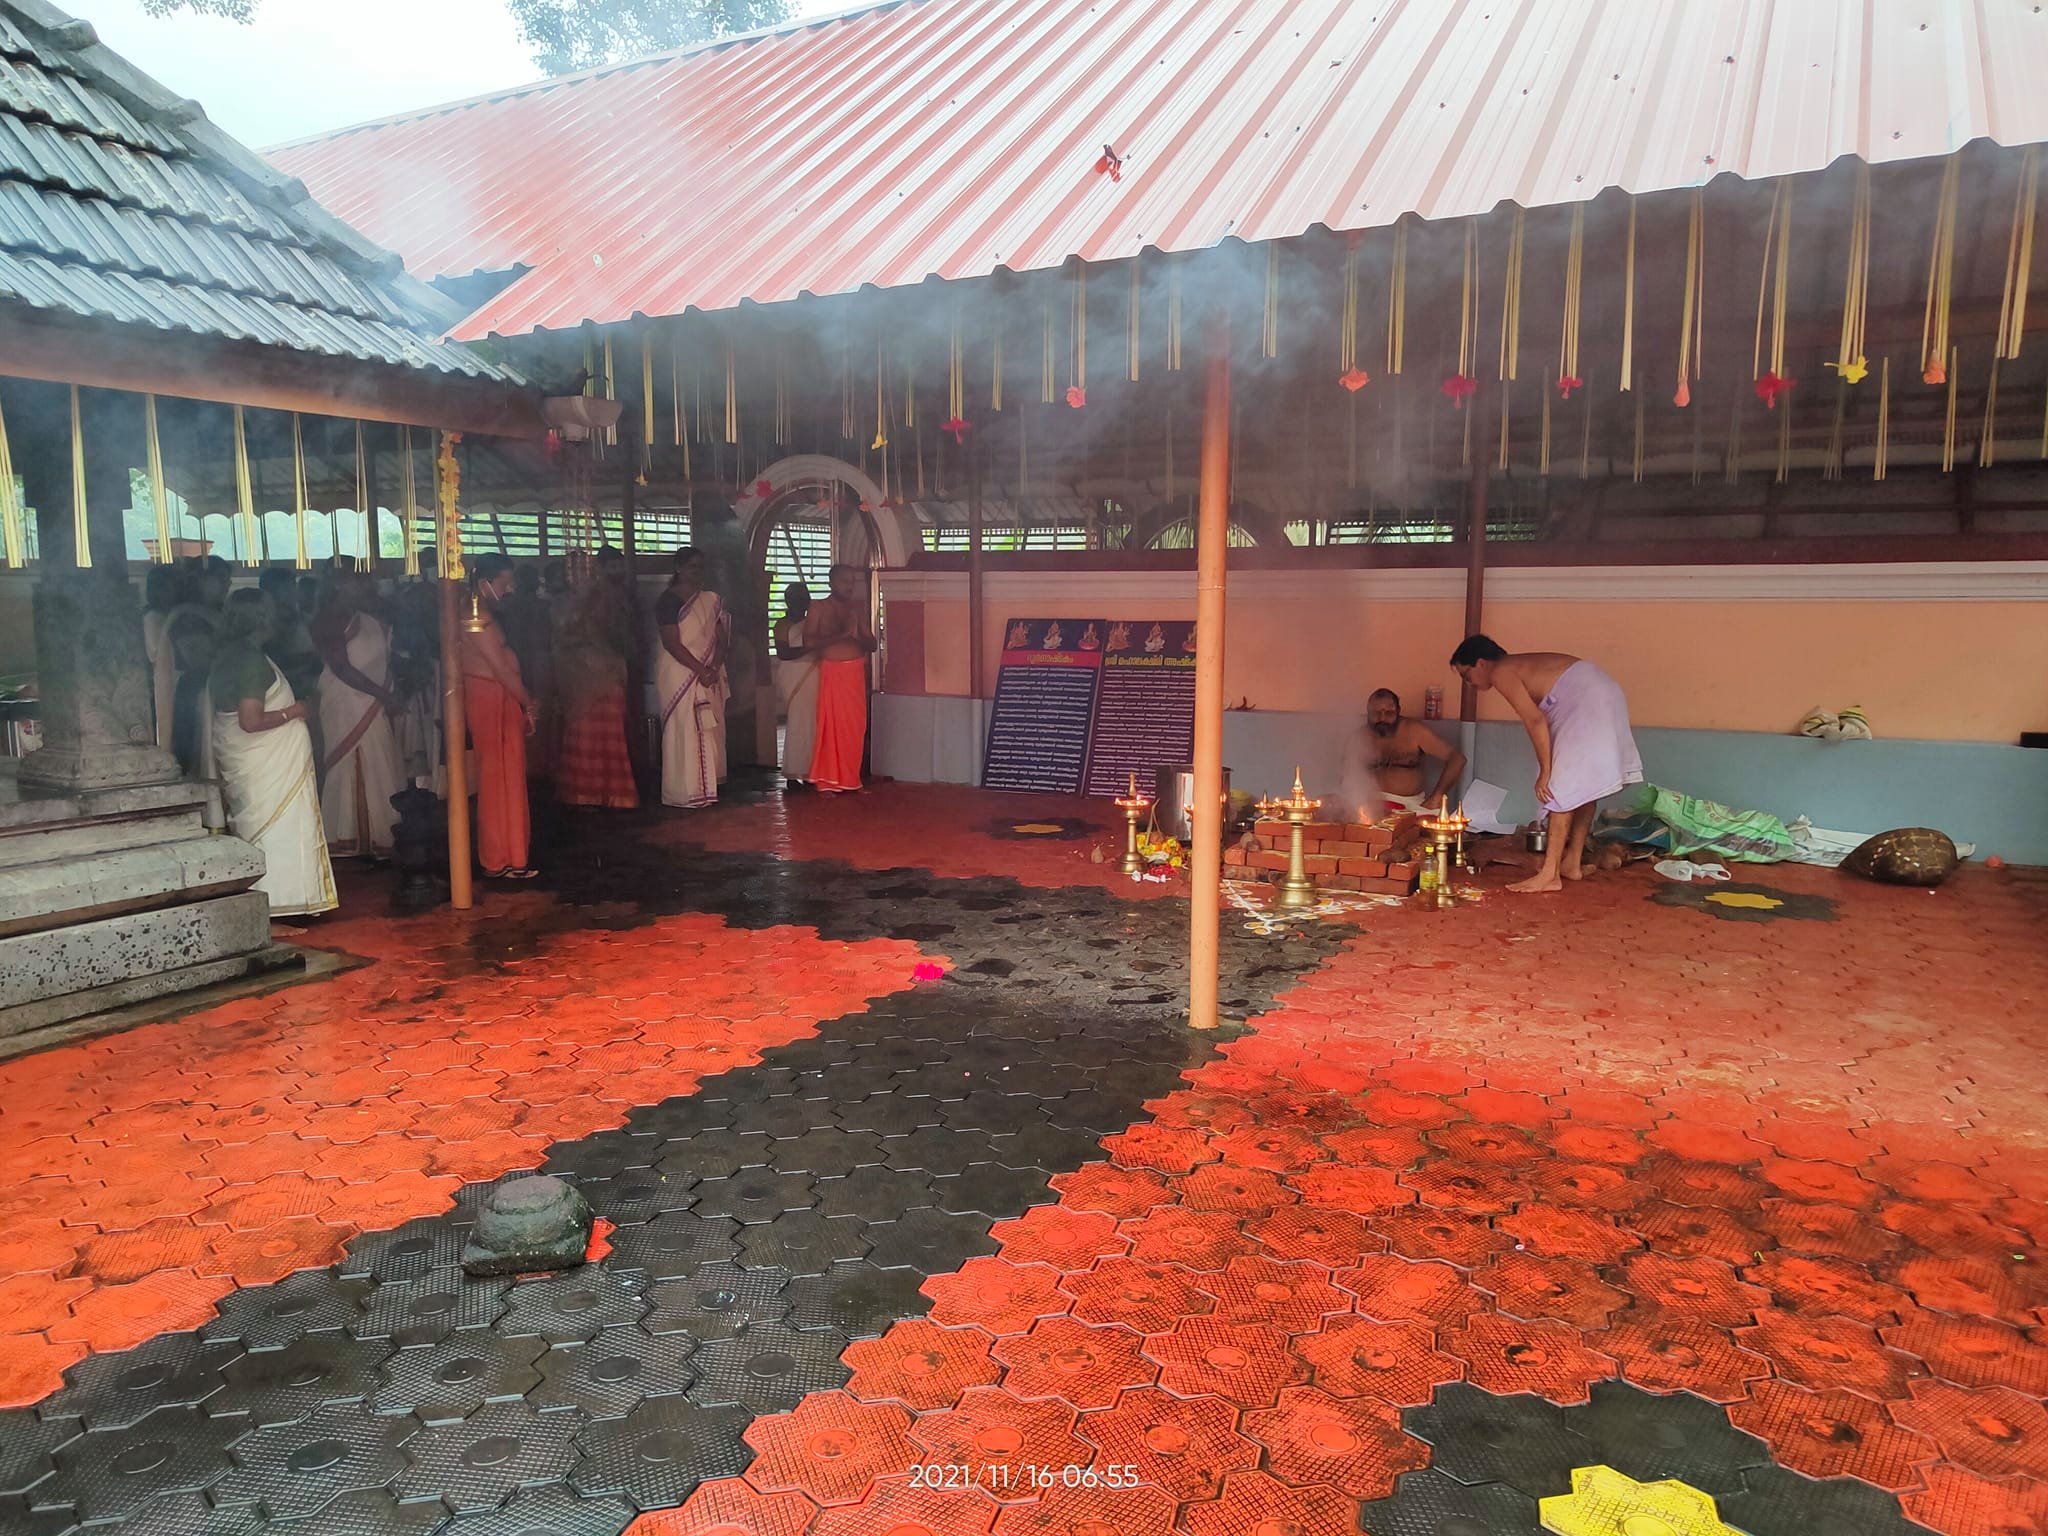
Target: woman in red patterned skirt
592 766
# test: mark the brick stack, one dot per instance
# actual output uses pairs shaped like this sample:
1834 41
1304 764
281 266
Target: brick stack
1374 859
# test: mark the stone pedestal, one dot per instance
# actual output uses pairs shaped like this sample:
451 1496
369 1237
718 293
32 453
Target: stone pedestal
93 680
117 896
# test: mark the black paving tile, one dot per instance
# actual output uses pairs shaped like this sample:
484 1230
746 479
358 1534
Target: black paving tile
113 1391
110 1474
479 1462
282 1386
575 1304
615 1372
657 1455
719 1300
294 1470
770 1368
452 1379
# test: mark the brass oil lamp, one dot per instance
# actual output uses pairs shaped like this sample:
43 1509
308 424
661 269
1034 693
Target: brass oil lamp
1297 810
1445 828
1133 805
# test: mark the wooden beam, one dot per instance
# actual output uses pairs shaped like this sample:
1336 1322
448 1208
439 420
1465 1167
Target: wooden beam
1475 551
102 355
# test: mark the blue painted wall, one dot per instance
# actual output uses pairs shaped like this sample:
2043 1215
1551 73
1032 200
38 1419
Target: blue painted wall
1993 796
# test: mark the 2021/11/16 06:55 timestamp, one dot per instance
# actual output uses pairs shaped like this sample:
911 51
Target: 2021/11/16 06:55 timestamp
1002 1476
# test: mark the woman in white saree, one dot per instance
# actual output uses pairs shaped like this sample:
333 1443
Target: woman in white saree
796 685
265 759
363 769
690 672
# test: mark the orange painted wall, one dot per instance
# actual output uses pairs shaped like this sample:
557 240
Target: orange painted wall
1944 671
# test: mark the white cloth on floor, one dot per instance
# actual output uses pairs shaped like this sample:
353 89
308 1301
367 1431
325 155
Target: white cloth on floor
1592 751
1685 871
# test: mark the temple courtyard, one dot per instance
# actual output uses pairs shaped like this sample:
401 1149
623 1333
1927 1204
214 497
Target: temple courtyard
924 1212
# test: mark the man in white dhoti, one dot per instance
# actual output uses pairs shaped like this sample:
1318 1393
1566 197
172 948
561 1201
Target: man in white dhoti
357 700
265 759
1577 721
689 674
796 686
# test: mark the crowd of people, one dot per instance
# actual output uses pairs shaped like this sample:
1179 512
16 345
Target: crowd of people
311 700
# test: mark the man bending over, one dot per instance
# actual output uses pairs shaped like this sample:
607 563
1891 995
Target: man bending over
1577 721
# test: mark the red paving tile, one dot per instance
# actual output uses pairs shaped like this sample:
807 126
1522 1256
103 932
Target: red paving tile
1083 1365
730 1506
1184 1445
1354 1444
996 1295
830 1448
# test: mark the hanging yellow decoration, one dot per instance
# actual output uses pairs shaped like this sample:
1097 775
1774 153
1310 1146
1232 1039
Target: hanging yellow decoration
1543 444
153 451
1784 447
2019 256
1131 341
1173 314
301 560
611 388
646 404
1269 338
1772 383
1586 440
1460 386
909 392
1987 444
1045 378
846 389
1884 421
1349 374
1948 430
448 495
368 562
245 497
1628 303
1780 214
881 411
12 543
1505 396
1568 378
1077 341
408 503
1850 361
732 396
782 424
1690 321
1511 303
1397 300
81 545
675 385
995 388
1941 266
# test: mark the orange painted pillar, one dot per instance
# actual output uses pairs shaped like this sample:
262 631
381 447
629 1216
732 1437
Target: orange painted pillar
1212 544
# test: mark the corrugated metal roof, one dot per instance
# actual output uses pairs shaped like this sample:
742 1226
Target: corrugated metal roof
951 138
120 202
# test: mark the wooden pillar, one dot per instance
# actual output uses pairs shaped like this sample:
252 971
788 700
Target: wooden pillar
1475 550
975 656
1205 867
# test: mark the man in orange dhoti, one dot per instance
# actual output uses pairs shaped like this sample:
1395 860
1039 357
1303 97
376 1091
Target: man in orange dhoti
839 633
501 717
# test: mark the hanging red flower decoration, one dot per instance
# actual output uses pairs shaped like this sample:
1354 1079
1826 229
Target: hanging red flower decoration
959 426
1567 384
1459 387
1682 396
1771 387
1936 372
1111 164
1354 379
865 507
1076 396
763 489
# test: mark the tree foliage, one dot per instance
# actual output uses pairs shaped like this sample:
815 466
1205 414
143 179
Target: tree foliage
243 11
570 35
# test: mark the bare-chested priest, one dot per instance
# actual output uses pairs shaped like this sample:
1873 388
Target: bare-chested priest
1385 762
1577 720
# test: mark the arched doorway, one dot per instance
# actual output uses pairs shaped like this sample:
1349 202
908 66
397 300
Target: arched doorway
806 514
